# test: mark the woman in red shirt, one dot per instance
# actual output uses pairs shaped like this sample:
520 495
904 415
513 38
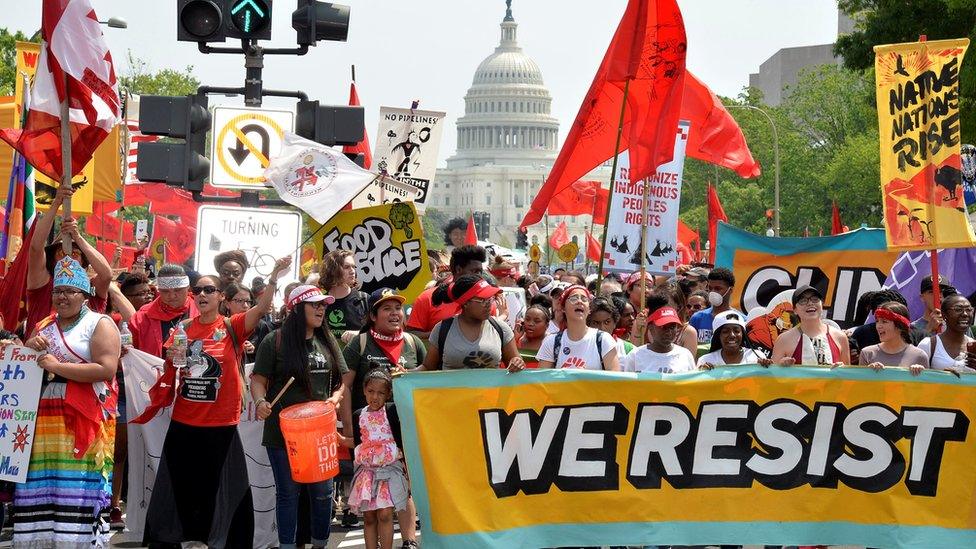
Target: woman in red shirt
202 491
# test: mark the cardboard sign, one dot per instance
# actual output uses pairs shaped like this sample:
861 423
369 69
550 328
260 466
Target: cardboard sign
20 391
406 148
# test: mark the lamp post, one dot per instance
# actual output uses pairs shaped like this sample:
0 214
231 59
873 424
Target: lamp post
772 124
112 22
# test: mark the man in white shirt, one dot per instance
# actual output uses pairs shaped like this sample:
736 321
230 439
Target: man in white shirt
661 354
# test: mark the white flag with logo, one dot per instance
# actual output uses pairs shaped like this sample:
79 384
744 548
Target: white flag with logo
317 179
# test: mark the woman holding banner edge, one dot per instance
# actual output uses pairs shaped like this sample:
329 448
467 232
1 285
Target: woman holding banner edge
813 341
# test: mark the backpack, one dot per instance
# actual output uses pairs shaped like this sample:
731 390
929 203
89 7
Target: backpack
556 343
446 327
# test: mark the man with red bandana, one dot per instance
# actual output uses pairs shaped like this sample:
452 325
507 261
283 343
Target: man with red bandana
151 324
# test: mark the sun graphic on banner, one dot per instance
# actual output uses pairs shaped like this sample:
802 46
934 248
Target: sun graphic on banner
20 438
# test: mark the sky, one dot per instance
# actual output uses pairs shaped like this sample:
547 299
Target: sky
429 49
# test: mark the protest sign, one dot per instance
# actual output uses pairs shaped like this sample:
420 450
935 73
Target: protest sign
918 117
20 390
387 243
742 455
842 267
624 233
406 148
387 190
958 266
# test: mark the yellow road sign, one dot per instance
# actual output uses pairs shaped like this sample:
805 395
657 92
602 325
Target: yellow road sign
245 142
568 252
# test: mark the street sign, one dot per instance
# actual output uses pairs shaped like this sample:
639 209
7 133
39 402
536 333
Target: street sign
535 253
262 234
244 141
568 252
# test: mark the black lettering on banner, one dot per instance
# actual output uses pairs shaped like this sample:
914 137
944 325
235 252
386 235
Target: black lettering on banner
660 438
722 444
873 464
379 262
778 461
930 429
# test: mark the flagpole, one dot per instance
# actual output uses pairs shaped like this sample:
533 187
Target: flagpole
548 245
66 161
613 181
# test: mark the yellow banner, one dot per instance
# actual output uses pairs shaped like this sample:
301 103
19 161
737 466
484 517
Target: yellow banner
918 117
388 244
28 54
742 455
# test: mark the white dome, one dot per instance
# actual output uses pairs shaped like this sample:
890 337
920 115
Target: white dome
508 67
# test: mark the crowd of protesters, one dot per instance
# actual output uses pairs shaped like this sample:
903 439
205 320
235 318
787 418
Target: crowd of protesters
345 346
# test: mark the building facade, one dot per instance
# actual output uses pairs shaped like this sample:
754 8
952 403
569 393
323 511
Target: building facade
507 141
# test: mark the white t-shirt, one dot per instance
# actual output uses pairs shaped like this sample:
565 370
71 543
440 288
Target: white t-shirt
577 354
643 359
552 328
942 360
749 356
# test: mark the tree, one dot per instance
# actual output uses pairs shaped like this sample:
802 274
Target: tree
8 59
141 80
434 221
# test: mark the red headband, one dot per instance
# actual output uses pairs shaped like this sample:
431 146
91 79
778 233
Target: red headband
893 317
502 273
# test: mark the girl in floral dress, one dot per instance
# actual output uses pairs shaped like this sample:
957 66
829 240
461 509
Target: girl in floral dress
379 485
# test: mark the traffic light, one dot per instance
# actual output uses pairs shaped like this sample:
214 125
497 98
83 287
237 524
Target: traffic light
181 164
482 223
521 240
248 19
330 124
217 20
314 21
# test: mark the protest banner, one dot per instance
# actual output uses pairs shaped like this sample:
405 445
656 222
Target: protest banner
20 390
390 191
387 243
406 148
918 117
842 267
958 266
624 229
145 447
742 455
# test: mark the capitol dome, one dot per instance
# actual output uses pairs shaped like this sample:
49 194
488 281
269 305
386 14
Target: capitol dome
507 110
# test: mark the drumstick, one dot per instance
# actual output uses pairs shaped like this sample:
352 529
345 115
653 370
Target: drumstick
282 391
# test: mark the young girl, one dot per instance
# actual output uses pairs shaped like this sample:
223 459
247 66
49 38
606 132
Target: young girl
379 485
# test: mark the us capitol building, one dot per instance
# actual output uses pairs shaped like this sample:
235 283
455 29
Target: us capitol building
507 141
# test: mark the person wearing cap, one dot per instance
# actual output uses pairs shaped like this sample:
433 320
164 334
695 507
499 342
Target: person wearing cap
383 343
153 322
201 491
304 350
720 283
895 348
473 338
465 260
42 259
729 344
347 315
231 266
70 473
931 321
576 345
660 354
812 341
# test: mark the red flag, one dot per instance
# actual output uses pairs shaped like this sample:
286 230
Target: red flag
836 225
107 249
582 198
74 53
593 250
686 235
648 51
715 136
362 146
471 236
13 286
178 239
559 237
107 227
715 214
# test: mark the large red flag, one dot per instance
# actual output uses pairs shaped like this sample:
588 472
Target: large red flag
75 53
362 146
715 136
836 225
648 51
471 235
107 227
582 198
715 214
559 237
594 252
13 286
178 240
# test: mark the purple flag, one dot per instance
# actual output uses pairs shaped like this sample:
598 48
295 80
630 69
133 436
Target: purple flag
957 265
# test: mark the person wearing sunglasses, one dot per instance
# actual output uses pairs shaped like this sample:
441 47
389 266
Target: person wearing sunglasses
201 492
71 465
304 350
576 345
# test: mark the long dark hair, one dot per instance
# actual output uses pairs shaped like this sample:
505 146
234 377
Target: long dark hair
295 348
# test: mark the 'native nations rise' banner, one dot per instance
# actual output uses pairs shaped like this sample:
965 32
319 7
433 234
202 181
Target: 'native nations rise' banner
918 117
742 455
388 244
623 252
842 267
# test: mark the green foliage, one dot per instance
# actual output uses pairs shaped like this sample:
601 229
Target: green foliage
433 221
141 80
401 216
8 59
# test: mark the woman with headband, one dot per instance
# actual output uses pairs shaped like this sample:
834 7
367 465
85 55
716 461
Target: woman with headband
473 338
895 349
577 345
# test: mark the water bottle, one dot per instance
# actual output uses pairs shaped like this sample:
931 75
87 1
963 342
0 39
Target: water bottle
125 334
179 346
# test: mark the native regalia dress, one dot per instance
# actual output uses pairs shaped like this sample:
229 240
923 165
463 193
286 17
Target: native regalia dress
69 481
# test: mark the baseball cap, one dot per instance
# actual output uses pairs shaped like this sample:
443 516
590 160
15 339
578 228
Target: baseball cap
482 289
697 272
383 294
306 293
726 318
664 316
798 293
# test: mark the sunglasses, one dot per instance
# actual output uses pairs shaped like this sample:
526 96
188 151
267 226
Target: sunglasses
197 290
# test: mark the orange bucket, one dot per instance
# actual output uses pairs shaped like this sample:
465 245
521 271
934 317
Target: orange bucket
311 440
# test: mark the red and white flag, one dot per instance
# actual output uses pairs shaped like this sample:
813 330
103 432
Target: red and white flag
135 137
76 64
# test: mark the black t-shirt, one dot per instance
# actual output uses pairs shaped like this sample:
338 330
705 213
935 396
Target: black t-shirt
348 313
363 349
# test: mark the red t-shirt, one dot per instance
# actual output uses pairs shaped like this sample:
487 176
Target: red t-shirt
210 395
40 305
425 314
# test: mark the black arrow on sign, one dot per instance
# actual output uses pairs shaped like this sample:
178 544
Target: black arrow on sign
240 152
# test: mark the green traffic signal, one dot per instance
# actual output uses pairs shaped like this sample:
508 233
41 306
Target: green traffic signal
250 17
